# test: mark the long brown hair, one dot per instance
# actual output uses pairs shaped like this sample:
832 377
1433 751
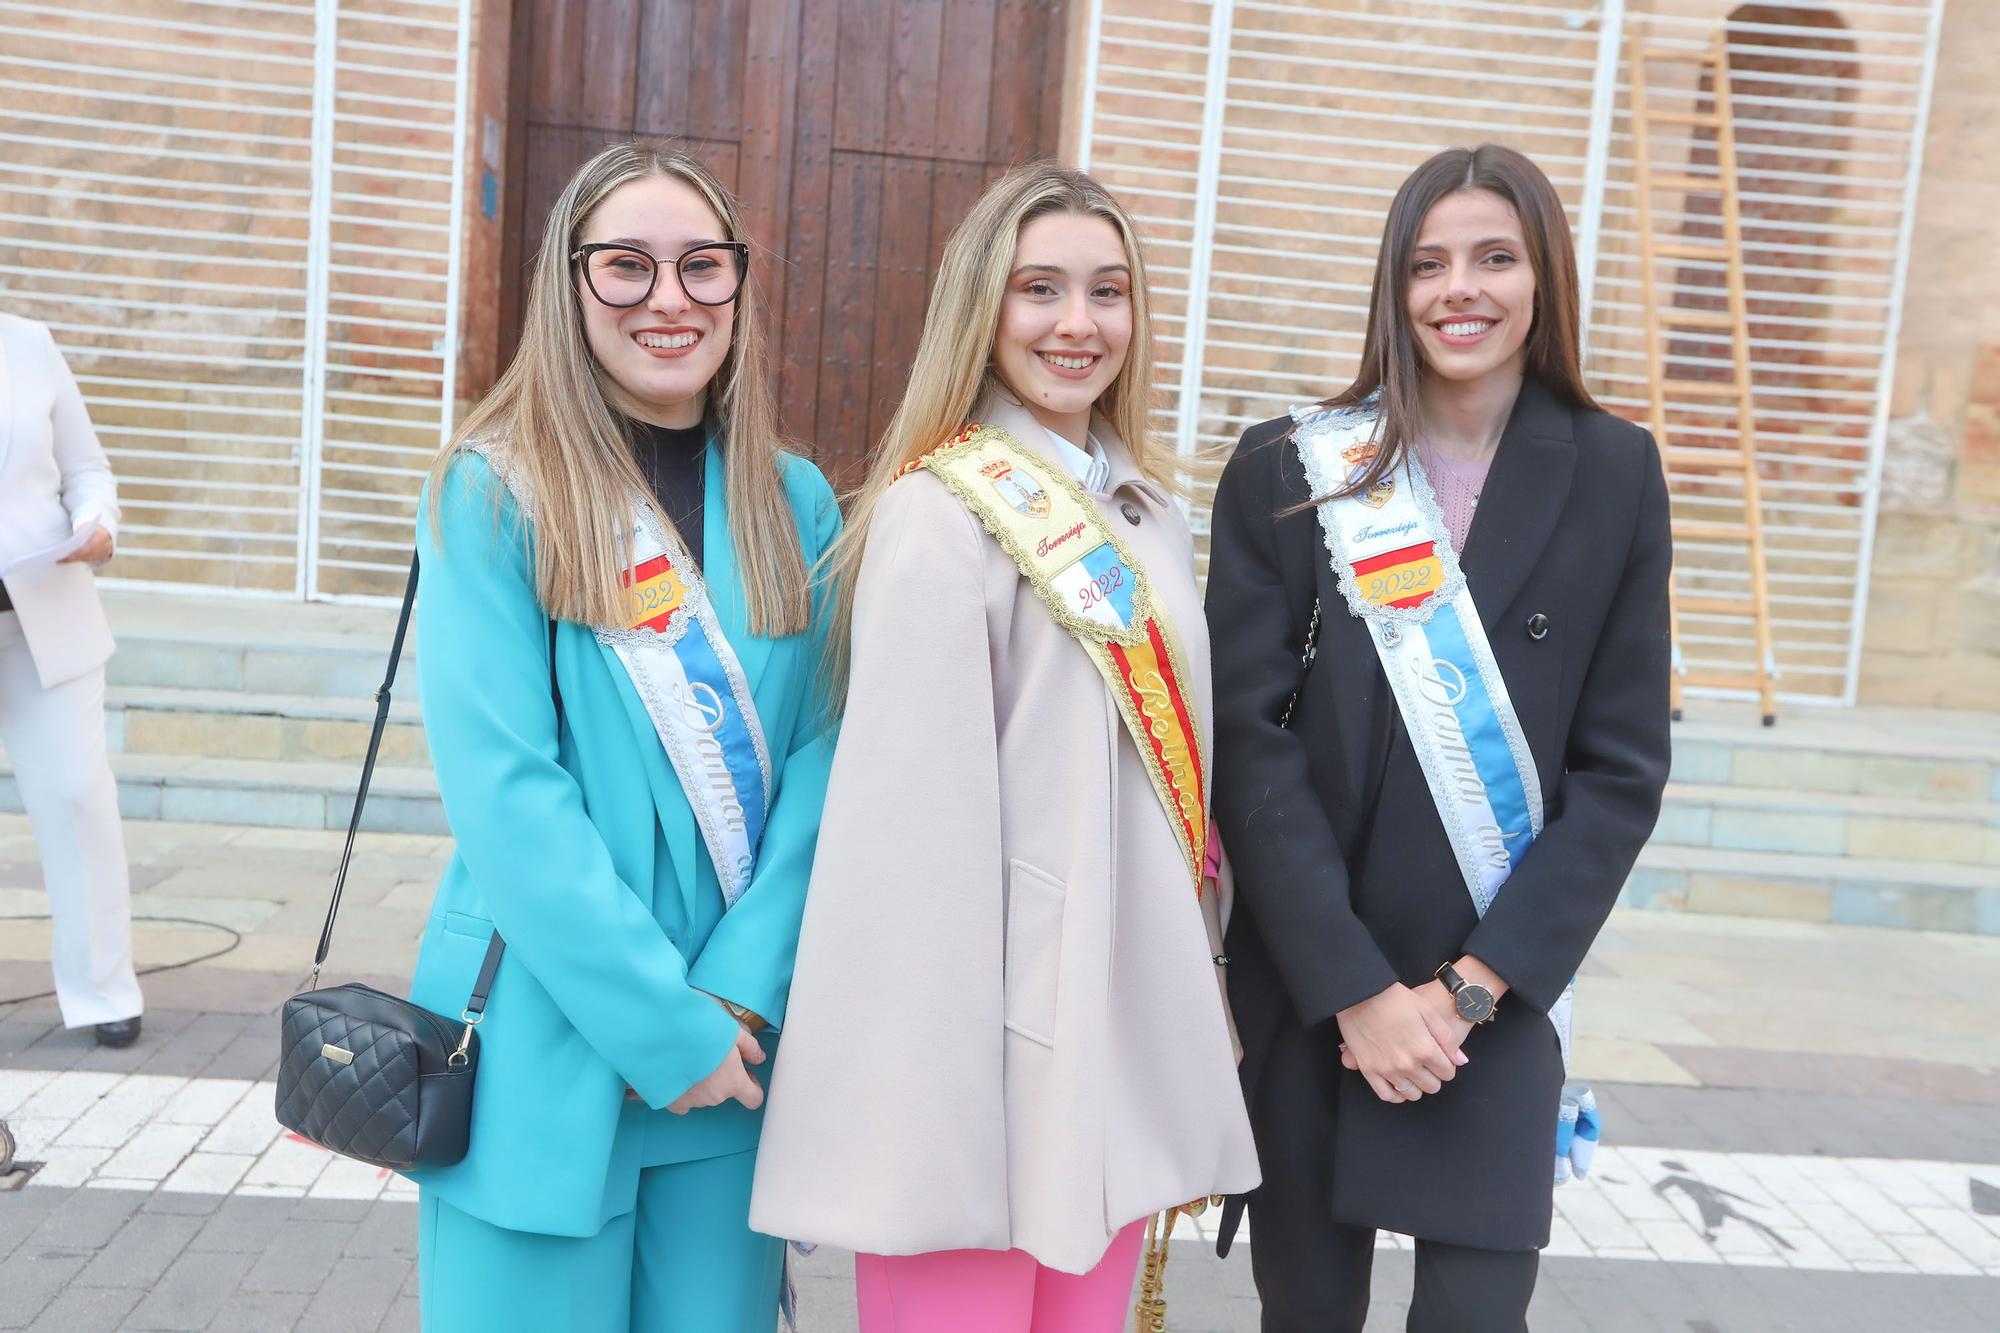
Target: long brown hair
953 367
571 445
1392 363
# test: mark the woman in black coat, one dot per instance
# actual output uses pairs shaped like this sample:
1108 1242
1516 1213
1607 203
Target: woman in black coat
1376 1101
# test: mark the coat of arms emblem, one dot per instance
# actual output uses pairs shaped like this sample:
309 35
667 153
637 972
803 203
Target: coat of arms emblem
1021 491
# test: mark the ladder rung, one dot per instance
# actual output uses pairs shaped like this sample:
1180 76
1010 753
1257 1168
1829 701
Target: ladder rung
1699 388
1697 319
1680 180
1728 532
1691 250
1717 606
1712 460
1677 54
1707 118
1725 680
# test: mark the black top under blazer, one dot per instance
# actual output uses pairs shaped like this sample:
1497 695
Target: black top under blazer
1345 879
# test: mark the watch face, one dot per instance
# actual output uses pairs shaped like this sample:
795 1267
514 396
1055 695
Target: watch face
1475 1002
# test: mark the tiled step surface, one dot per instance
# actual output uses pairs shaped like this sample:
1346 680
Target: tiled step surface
238 724
259 647
273 793
1915 754
1950 832
1852 890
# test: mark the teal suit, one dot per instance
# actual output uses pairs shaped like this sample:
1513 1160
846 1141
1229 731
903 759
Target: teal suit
582 850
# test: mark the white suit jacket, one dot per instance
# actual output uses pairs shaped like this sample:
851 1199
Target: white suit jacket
54 480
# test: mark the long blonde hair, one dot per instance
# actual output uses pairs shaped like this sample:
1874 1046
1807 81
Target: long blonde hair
572 448
953 366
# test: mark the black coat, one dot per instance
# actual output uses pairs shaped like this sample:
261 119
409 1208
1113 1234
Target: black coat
1345 879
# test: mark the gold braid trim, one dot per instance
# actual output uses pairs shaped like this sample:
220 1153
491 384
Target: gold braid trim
1092 635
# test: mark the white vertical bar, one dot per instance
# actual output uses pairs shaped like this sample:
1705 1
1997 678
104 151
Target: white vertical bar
1214 106
1878 433
1093 36
1597 157
455 255
312 426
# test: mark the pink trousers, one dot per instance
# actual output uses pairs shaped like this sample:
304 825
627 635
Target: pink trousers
995 1291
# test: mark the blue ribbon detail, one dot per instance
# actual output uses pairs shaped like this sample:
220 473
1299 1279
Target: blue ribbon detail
739 752
1480 722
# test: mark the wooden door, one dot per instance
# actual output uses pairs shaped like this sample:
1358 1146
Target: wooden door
856 133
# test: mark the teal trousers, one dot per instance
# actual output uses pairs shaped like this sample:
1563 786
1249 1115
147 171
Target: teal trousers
684 1261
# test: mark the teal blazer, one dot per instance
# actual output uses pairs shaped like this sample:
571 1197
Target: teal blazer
581 848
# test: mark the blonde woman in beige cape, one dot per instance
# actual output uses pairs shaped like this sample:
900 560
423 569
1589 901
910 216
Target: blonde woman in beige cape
1007 1046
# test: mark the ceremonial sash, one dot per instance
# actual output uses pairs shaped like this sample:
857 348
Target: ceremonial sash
1393 556
1099 593
693 689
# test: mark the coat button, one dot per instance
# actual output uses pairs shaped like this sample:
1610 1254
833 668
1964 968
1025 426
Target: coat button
1538 627
1131 512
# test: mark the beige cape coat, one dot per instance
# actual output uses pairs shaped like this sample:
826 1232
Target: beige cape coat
1004 1030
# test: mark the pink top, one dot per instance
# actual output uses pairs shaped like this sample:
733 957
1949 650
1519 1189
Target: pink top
1457 486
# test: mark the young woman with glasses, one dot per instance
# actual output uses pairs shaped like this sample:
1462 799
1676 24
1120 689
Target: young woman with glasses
1007 1044
1439 607
617 646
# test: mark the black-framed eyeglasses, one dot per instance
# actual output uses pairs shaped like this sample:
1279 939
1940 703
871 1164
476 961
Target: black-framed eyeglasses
622 276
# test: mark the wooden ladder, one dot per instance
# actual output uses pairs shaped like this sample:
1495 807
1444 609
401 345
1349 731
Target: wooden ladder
1738 465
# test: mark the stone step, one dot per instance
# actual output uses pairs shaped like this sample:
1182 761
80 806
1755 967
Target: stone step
237 724
1930 831
273 793
1851 890
1915 754
255 647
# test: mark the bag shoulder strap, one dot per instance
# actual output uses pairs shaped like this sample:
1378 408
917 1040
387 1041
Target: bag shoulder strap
1305 664
487 969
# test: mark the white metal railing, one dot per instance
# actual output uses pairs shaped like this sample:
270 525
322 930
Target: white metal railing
239 218
1259 144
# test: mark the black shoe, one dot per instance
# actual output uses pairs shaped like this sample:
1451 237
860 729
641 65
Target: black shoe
120 1034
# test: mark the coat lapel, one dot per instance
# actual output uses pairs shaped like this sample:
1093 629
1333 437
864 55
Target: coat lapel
1522 500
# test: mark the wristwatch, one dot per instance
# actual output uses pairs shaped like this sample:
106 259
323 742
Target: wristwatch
1473 1001
748 1018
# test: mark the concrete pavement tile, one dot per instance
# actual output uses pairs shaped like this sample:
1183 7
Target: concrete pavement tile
179 1204
1596 1059
353 1211
159 1026
195 1290
299 1256
190 1049
81 1309
261 1312
1233 1274
21 1212
56 1048
141 1251
32 1277
360 1299
242 1225
85 1220
389 1231
403 1317
252 1053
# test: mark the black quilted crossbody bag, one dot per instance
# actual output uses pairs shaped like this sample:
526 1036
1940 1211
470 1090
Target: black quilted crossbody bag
367 1074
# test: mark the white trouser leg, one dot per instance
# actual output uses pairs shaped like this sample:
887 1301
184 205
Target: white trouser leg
55 744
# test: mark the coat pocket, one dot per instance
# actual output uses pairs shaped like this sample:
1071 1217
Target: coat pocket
1034 951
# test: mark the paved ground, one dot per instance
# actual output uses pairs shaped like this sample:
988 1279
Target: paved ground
1805 1125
